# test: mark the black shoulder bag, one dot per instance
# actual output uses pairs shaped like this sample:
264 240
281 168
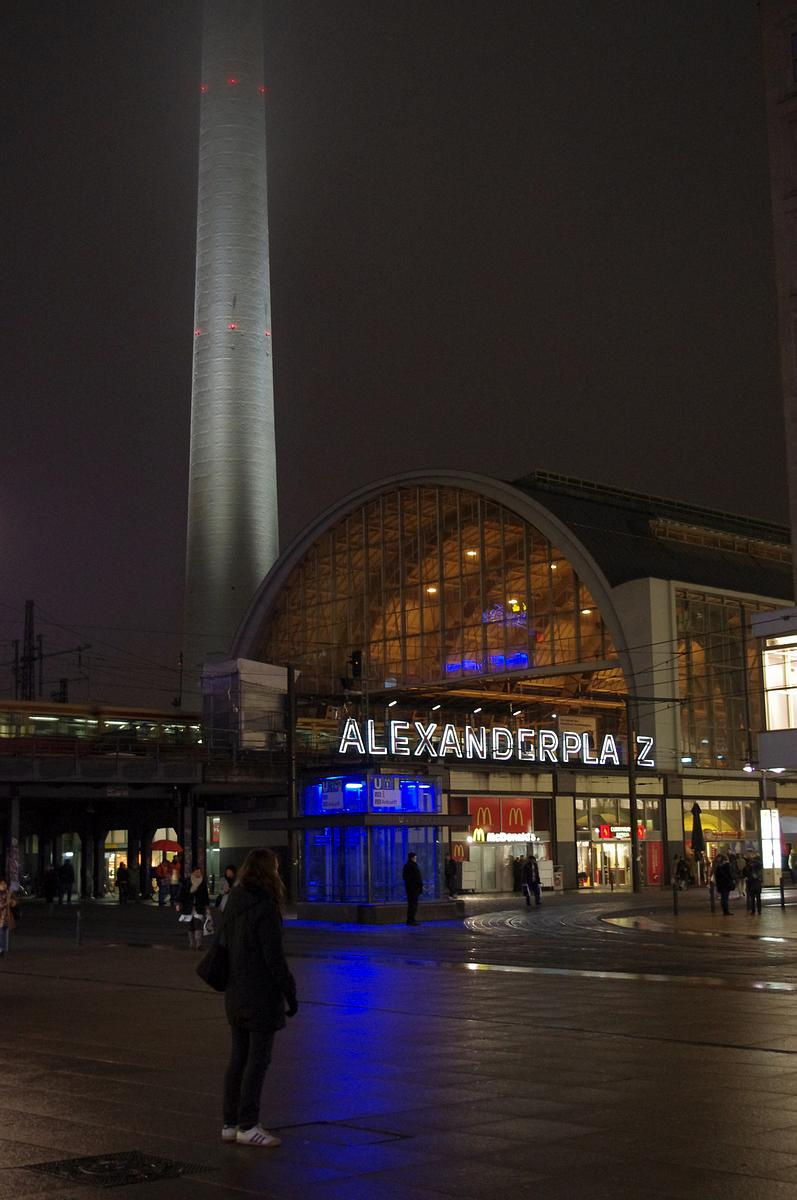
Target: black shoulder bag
214 967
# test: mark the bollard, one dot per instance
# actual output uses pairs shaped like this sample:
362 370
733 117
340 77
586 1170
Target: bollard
675 899
712 895
77 928
782 894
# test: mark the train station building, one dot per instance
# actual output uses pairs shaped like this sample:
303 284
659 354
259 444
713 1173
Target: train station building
461 666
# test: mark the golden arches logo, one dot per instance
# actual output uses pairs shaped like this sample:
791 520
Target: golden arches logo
478 834
457 850
484 817
516 817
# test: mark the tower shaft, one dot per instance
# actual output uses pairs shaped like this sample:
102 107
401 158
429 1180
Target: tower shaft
232 498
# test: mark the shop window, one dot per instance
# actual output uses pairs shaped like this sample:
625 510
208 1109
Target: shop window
780 682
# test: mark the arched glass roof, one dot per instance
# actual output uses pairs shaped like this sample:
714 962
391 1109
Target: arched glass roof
432 584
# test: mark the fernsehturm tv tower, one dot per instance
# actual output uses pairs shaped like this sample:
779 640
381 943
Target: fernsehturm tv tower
232 497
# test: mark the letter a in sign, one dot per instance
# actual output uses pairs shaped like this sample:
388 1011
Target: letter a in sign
351 738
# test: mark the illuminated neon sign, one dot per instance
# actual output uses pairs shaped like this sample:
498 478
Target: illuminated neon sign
474 743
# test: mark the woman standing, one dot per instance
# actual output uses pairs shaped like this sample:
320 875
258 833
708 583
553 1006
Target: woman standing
7 905
259 992
193 904
227 884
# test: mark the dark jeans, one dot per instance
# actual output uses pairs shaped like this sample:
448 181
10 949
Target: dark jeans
753 899
412 908
724 900
536 890
250 1055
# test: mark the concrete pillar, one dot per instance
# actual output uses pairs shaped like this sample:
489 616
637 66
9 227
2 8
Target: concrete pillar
200 838
12 839
98 863
86 884
134 858
186 830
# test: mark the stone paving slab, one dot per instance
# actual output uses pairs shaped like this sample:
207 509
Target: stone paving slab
409 1077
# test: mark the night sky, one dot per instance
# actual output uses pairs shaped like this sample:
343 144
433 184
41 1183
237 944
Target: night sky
527 235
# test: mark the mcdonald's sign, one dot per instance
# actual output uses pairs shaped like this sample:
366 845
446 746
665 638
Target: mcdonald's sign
458 851
515 814
479 834
484 813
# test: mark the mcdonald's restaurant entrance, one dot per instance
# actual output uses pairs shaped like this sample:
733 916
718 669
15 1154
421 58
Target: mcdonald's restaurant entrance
502 831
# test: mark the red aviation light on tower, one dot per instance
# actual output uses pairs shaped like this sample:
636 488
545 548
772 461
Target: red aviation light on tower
233 81
262 90
204 88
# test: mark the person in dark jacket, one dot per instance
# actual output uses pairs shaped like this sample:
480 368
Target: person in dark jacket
754 878
450 873
531 881
193 905
724 881
260 990
413 886
66 881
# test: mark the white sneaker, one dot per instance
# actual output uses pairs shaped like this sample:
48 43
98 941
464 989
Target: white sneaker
258 1136
228 1133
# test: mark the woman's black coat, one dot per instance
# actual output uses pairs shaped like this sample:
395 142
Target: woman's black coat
260 982
200 899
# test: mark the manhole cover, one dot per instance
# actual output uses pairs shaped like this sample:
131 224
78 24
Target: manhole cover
116 1170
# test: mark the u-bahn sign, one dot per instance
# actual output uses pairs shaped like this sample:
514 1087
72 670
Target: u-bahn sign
498 743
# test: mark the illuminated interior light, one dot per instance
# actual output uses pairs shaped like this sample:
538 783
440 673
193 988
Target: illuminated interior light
476 710
435 707
686 758
472 553
748 767
777 770
553 566
233 81
392 703
432 590
516 712
513 601
585 612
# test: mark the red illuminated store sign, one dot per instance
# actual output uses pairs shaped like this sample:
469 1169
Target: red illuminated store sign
621 833
500 814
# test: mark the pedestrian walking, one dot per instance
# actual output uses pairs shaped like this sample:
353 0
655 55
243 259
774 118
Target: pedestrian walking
227 884
260 992
530 875
754 878
175 878
8 903
413 886
193 905
162 875
792 860
66 881
49 886
723 882
123 882
450 873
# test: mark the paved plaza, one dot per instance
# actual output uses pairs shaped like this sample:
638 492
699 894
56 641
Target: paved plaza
597 1047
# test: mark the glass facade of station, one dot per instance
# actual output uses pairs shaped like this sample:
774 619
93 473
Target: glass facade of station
433 585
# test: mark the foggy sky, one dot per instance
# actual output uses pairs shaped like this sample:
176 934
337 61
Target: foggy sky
528 235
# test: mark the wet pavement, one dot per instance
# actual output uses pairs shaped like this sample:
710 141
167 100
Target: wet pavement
597 1046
